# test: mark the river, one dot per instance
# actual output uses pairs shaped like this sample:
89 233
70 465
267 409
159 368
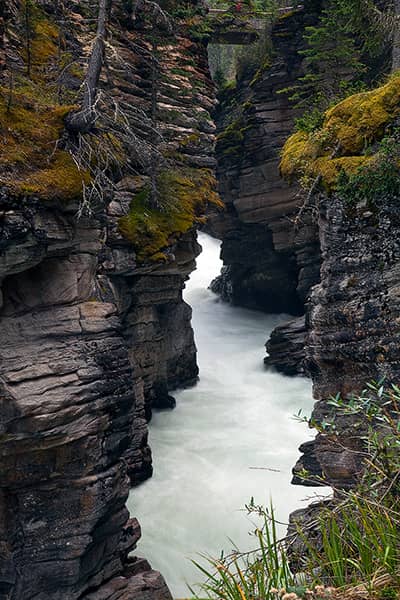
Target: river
230 437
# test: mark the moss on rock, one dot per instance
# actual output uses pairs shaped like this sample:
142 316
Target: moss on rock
331 169
60 180
230 140
44 43
348 129
31 162
45 39
32 118
362 118
183 196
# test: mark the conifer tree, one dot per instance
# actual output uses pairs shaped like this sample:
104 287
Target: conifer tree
333 56
337 51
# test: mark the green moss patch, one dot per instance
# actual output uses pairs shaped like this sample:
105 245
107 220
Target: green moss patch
347 131
230 140
361 119
30 160
183 197
32 118
44 41
60 180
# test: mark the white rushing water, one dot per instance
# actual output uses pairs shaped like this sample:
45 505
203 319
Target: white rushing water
238 416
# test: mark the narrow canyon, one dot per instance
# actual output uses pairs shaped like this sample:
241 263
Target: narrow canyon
126 159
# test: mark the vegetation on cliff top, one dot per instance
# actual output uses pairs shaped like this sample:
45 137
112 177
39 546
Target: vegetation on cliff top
32 164
341 52
32 117
345 140
376 181
182 198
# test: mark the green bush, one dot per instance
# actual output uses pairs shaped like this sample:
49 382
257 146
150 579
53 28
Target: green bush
378 180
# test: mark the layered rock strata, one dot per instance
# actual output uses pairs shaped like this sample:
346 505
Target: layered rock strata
94 332
273 263
354 323
156 326
67 416
177 91
269 263
286 348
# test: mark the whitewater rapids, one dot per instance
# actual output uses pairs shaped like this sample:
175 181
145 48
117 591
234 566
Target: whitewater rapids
231 437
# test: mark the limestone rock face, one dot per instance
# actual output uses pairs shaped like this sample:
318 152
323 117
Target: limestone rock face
269 264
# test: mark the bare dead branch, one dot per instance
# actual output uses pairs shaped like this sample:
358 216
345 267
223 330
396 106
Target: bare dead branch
313 189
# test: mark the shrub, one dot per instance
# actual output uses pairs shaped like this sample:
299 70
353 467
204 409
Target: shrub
377 180
344 142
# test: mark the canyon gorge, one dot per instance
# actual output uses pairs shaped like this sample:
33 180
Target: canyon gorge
115 150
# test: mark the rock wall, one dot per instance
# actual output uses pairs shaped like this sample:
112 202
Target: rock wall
156 326
286 347
269 263
346 337
94 333
67 416
354 322
353 312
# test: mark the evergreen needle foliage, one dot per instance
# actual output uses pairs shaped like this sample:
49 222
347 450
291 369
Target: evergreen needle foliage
340 53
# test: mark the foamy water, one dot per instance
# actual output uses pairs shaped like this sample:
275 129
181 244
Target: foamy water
231 437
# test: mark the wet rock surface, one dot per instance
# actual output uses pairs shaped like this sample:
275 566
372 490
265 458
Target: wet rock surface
273 262
286 348
67 416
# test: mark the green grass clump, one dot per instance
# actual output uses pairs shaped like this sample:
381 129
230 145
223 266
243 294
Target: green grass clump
250 575
360 541
356 552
